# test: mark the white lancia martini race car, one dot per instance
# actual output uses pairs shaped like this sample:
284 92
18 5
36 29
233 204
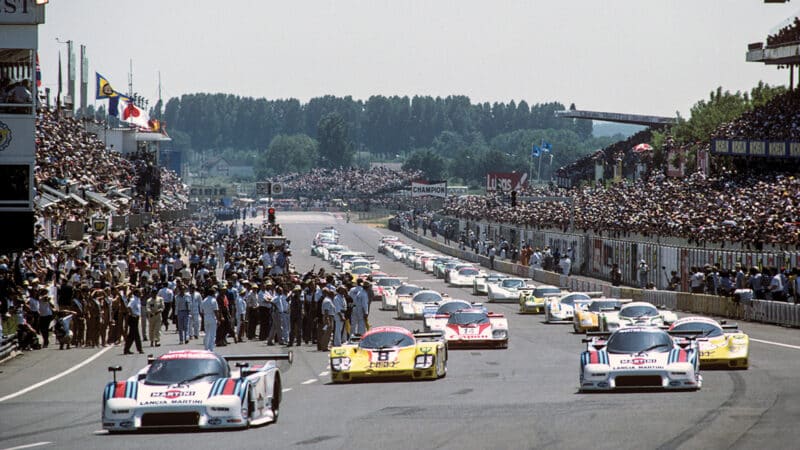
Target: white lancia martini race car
639 358
195 389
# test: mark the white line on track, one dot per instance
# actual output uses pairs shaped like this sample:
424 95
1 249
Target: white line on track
55 377
312 380
36 444
286 389
324 374
796 347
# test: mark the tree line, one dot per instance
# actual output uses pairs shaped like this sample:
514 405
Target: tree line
469 138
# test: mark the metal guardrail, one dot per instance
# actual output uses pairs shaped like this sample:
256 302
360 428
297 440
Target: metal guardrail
7 345
765 311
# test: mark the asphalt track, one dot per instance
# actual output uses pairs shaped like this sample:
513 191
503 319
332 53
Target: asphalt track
522 397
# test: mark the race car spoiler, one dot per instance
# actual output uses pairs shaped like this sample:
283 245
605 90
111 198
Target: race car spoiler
288 356
429 335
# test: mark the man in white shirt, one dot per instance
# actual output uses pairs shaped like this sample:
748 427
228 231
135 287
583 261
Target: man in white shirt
168 295
134 306
194 314
210 310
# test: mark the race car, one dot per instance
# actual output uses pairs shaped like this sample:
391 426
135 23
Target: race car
195 389
390 298
507 290
435 315
561 309
454 269
635 314
720 344
383 284
386 241
638 358
480 285
533 300
476 327
411 308
585 317
464 276
390 353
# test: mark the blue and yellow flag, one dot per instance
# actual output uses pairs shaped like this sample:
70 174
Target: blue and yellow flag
103 88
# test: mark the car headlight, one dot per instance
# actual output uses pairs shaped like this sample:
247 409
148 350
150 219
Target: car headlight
339 364
423 361
499 334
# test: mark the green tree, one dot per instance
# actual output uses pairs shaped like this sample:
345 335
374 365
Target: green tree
335 147
285 154
431 164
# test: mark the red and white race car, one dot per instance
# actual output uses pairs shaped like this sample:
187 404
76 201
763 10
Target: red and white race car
474 327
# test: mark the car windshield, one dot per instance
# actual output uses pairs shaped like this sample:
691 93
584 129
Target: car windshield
361 270
515 284
172 371
468 318
389 282
468 271
427 297
408 289
704 328
449 307
386 339
639 311
543 291
570 299
596 306
359 263
639 341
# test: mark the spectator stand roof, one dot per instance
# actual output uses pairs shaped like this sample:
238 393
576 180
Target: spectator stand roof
635 119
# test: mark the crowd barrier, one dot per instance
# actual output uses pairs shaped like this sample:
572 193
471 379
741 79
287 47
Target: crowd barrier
779 313
7 345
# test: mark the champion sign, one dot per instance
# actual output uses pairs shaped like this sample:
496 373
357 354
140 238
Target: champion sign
433 190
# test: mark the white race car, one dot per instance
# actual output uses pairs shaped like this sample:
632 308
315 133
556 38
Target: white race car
639 358
402 292
412 308
435 315
507 290
465 276
480 285
561 309
476 328
381 286
195 389
635 314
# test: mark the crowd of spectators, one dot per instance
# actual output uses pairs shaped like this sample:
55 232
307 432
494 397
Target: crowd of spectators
82 180
584 168
376 186
786 35
747 209
778 120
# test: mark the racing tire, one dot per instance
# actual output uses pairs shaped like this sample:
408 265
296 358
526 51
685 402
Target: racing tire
276 400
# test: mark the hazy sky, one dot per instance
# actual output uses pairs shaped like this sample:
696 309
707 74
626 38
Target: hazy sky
639 56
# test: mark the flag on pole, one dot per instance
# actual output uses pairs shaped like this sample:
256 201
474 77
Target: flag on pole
133 114
113 106
535 151
103 88
38 72
546 147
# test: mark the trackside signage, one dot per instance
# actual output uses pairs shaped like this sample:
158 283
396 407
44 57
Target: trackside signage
21 12
431 190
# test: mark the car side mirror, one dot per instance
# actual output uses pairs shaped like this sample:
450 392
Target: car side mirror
114 370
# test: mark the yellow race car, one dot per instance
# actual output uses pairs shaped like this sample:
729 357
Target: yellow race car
586 318
721 345
532 300
390 353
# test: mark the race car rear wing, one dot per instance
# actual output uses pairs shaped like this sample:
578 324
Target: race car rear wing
432 335
288 356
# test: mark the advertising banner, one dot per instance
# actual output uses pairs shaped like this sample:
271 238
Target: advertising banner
505 181
431 190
